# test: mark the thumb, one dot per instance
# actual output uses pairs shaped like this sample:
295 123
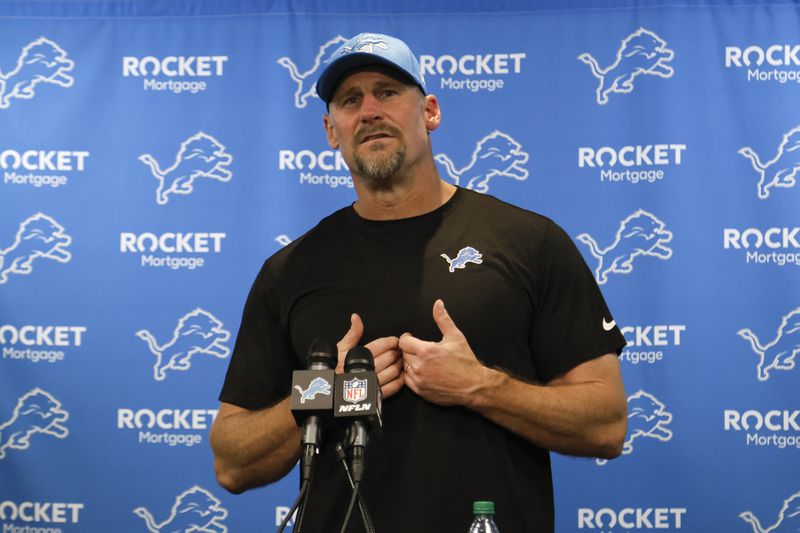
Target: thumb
443 320
353 334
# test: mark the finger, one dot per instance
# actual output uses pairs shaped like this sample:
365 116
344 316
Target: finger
390 373
443 320
393 387
410 382
384 344
353 334
387 359
409 343
411 362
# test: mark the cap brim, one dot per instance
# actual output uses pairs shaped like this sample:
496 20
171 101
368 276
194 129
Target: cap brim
329 81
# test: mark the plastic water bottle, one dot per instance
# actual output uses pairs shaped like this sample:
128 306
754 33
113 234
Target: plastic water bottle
483 521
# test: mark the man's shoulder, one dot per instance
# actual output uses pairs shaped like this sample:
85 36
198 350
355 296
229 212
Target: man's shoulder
501 212
308 247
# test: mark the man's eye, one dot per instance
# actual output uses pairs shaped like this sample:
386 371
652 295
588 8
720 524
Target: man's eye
387 93
350 100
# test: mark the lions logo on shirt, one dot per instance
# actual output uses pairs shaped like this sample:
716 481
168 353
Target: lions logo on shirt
465 255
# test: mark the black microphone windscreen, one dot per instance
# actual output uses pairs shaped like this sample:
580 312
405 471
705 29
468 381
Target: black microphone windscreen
359 358
320 352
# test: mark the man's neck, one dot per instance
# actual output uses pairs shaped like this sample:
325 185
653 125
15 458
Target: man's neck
403 200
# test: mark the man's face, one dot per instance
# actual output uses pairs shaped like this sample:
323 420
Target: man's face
381 125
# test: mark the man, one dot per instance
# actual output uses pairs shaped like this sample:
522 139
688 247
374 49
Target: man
491 340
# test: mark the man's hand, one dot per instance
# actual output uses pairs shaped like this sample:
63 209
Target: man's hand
445 372
386 351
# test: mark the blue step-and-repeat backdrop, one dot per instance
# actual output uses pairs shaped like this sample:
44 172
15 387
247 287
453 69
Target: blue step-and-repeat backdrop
153 154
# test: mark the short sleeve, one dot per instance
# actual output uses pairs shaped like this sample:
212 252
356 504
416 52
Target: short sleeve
572 323
260 369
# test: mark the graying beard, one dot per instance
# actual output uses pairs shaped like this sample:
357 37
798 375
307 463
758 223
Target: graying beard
378 173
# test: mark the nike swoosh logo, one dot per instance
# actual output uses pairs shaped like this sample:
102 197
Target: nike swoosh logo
608 326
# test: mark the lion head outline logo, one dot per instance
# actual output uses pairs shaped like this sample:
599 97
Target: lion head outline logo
197 332
647 417
782 351
200 156
642 52
37 411
781 170
324 55
788 517
39 236
195 509
41 61
496 155
639 234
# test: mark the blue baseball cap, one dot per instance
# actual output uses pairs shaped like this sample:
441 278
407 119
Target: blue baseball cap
369 49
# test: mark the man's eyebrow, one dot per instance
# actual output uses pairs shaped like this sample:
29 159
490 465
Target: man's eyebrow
353 89
382 84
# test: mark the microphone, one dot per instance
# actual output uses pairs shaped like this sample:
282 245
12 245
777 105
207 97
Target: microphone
358 397
312 401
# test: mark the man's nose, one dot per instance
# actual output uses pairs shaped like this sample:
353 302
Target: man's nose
370 109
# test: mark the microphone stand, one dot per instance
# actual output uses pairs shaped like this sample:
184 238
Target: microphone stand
365 516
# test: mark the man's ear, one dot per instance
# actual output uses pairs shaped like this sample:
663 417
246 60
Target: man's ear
433 114
329 132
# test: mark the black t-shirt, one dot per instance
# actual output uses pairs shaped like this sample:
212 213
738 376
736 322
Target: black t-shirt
514 284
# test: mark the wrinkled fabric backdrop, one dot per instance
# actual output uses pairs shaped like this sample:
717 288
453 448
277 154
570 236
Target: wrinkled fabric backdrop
153 154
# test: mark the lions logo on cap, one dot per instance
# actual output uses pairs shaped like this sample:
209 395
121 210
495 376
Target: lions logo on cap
366 43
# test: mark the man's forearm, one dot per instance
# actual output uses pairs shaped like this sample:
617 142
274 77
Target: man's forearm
253 448
582 418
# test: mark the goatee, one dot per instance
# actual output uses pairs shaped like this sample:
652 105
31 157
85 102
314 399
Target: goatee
379 173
